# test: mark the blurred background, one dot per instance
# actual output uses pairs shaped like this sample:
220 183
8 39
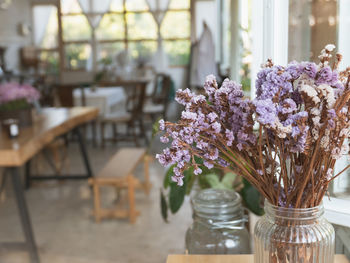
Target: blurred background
127 58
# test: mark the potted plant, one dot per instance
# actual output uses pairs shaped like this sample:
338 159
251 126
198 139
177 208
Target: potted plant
285 142
16 102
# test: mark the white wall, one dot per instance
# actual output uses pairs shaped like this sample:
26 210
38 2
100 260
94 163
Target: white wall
18 12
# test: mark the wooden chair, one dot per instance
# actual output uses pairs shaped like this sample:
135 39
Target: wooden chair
158 103
118 173
131 118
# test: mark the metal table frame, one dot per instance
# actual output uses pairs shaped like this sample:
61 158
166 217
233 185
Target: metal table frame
85 158
14 172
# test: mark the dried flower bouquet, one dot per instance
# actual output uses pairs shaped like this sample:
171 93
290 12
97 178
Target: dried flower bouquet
302 124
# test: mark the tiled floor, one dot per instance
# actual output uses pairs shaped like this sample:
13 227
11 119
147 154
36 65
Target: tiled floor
65 230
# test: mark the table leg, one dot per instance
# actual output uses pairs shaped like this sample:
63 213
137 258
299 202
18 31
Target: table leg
27 174
83 151
23 211
94 132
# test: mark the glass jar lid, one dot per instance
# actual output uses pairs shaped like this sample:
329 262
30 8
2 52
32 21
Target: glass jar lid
219 204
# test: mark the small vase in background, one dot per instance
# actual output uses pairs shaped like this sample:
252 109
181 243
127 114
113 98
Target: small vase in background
16 102
23 116
218 224
293 235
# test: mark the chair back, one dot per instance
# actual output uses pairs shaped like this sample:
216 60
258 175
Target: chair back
161 89
135 99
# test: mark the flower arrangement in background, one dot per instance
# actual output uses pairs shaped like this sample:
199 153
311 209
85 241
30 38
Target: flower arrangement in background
15 96
285 142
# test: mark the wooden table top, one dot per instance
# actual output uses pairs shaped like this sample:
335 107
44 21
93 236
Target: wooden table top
48 125
226 259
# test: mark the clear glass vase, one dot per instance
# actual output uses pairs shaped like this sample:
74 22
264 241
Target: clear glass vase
288 235
218 224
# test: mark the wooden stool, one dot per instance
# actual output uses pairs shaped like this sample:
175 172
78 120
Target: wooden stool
118 173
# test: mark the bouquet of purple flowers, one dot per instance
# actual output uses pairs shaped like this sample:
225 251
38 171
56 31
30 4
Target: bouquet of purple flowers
14 96
285 142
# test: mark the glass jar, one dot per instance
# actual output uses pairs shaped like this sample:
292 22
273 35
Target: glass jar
218 224
293 235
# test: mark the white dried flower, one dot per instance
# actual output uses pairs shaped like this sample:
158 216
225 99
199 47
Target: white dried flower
344 110
329 174
315 111
336 153
344 132
344 149
310 92
329 47
315 134
328 93
325 142
327 132
316 120
282 131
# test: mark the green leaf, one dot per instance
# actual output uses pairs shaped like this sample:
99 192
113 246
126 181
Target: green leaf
228 180
167 177
251 198
155 127
213 180
163 206
202 181
191 178
177 196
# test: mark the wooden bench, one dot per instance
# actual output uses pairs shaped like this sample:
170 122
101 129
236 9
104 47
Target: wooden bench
118 173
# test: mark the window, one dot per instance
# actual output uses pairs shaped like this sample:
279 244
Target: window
90 36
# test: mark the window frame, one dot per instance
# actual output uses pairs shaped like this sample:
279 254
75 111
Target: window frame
93 42
275 46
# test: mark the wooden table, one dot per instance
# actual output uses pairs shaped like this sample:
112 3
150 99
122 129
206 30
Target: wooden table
14 153
227 259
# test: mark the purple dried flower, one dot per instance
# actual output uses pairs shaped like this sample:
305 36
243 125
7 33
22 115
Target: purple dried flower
266 111
161 125
309 68
15 91
326 76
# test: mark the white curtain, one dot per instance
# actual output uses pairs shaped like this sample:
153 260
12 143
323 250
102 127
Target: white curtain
41 16
91 7
158 9
203 59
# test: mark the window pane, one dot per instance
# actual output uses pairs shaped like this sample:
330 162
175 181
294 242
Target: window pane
45 26
70 6
109 50
117 6
178 51
77 55
111 27
176 25
49 62
75 28
141 25
136 5
142 50
179 4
